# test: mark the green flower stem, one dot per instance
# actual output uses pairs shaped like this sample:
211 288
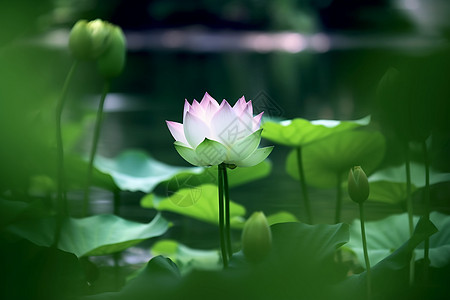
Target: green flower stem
366 254
118 255
303 185
426 249
61 202
97 128
337 216
59 143
221 216
227 212
409 208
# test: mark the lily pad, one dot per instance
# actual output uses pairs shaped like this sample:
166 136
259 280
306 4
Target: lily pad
96 235
324 160
134 170
300 132
387 235
200 202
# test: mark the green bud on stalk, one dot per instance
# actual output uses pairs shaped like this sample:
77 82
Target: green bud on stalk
101 41
111 63
358 185
80 40
256 238
88 40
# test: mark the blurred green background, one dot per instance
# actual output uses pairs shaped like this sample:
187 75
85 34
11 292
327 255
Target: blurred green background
315 59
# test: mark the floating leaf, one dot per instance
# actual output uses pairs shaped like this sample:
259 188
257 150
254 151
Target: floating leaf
187 258
200 202
336 154
134 170
96 235
300 132
387 235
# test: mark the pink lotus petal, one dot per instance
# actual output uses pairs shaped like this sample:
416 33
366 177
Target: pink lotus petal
210 111
245 125
207 99
224 124
197 108
187 107
257 121
195 130
240 105
250 107
177 131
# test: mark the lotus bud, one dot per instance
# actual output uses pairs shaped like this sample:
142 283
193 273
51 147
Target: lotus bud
111 63
80 40
89 40
358 185
256 238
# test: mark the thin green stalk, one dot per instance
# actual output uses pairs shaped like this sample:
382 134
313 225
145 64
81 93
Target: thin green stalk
94 146
227 213
426 249
118 255
366 254
61 200
221 217
409 208
304 186
62 205
337 216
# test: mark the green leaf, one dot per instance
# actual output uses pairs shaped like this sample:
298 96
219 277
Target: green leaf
300 132
390 275
387 235
303 242
188 259
336 154
281 217
389 185
200 202
417 170
388 192
134 170
159 278
236 177
96 235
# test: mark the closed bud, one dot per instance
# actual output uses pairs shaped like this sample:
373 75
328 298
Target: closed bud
256 238
100 32
358 185
112 61
89 40
80 40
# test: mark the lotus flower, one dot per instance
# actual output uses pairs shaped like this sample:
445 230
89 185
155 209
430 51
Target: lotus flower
212 134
